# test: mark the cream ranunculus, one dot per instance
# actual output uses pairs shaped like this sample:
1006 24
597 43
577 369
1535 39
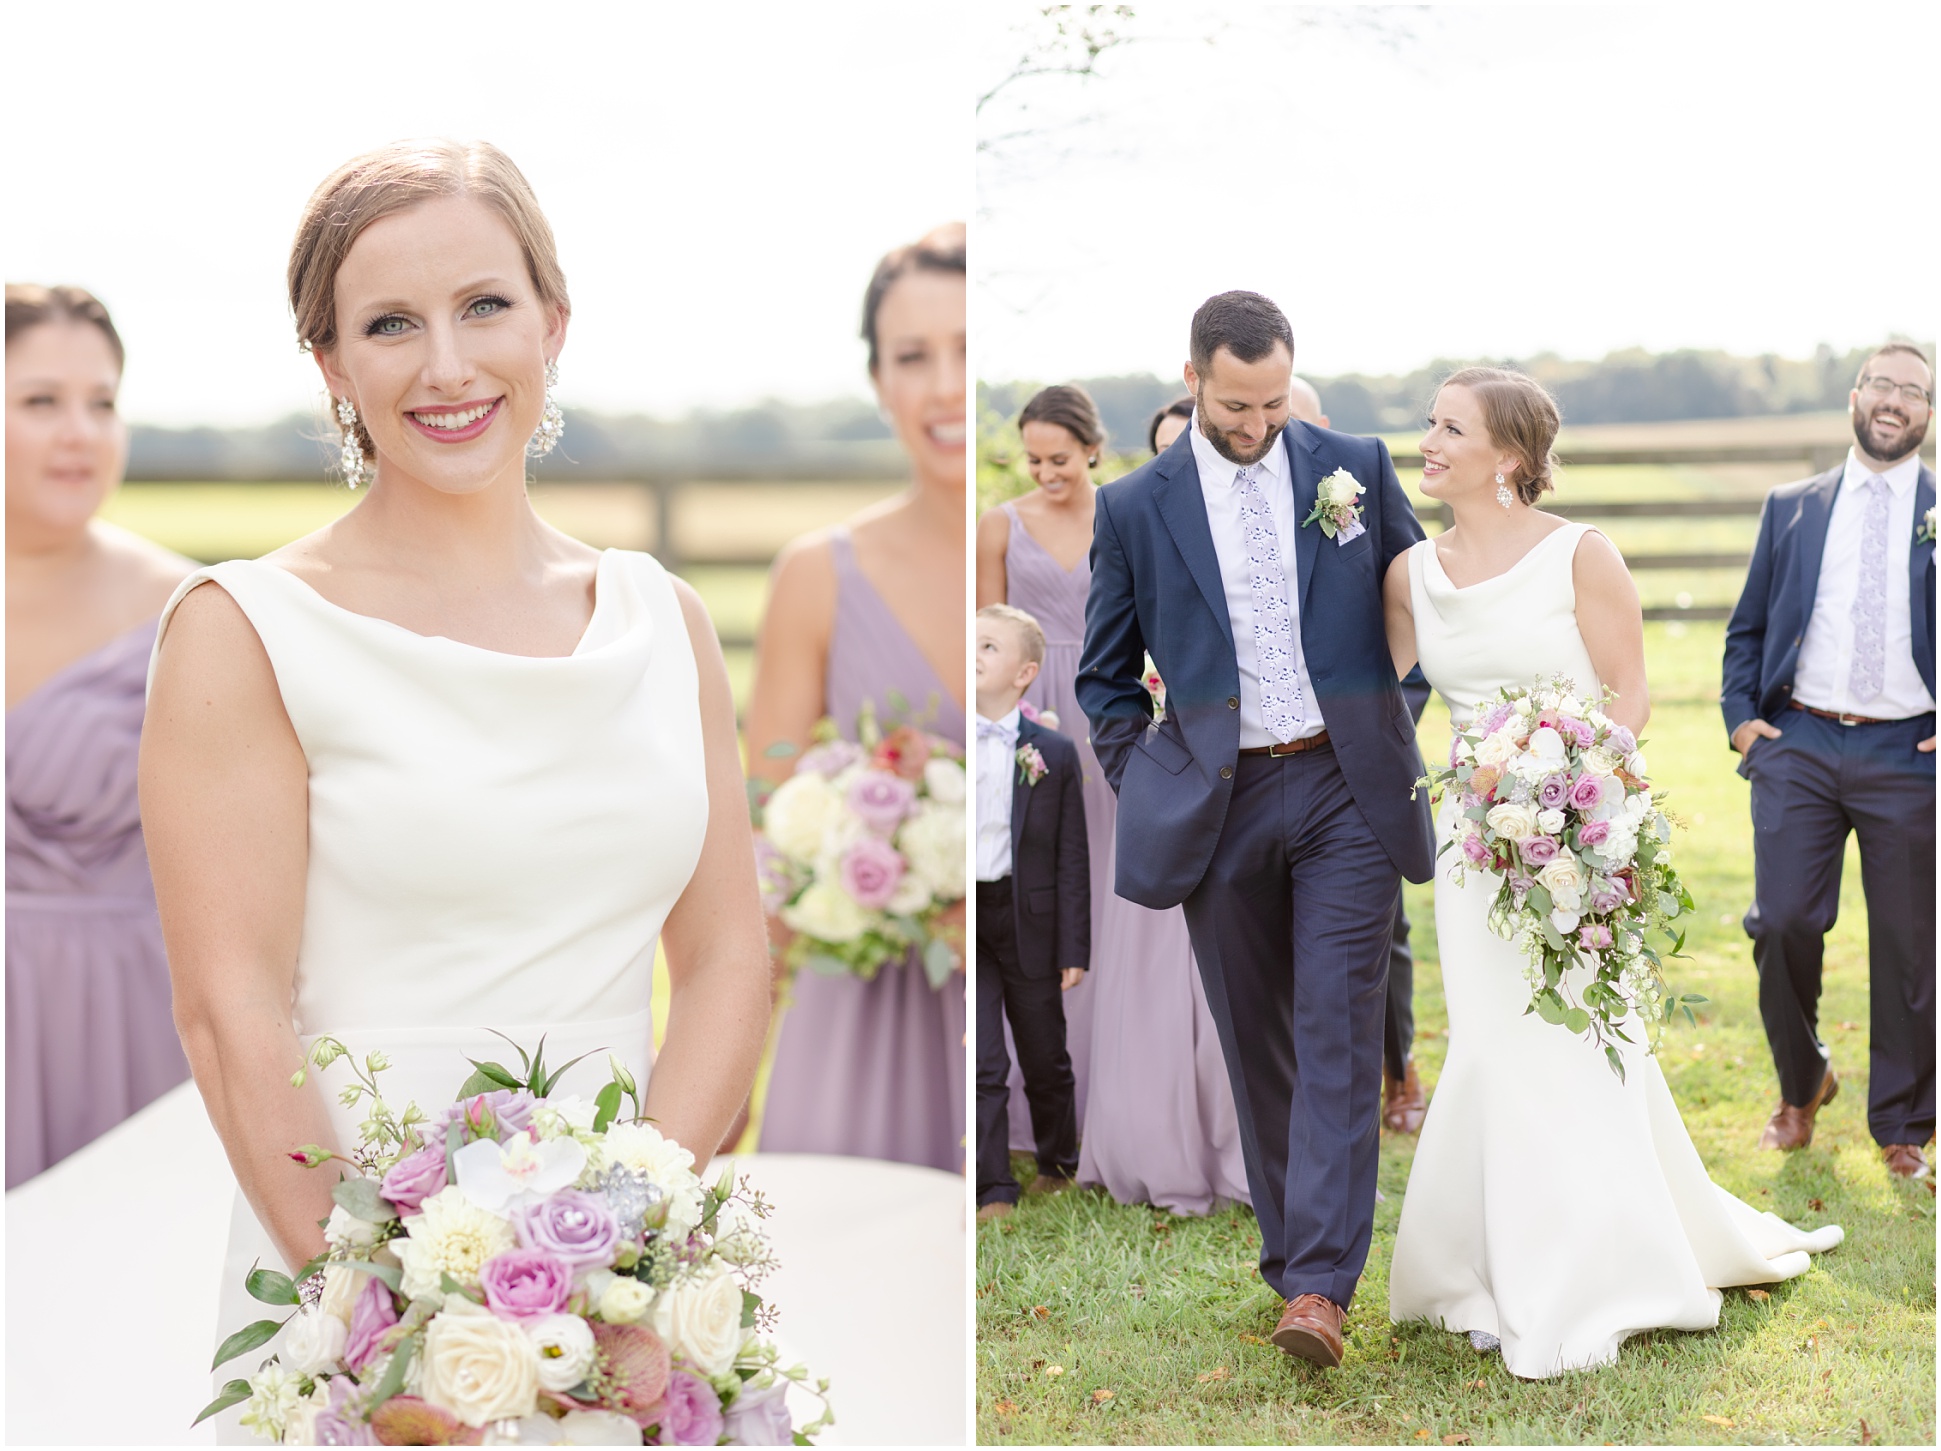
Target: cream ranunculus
1512 820
944 779
1550 822
313 1341
449 1236
564 1344
341 1287
933 843
1563 874
826 912
800 814
479 1367
1495 749
666 1164
624 1300
700 1319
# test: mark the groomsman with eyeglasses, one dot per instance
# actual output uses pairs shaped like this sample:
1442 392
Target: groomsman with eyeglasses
1829 701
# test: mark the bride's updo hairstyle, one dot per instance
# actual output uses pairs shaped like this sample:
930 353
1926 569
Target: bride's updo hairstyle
1071 408
1522 418
939 250
395 178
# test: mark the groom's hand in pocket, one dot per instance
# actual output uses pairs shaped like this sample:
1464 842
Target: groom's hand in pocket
1757 729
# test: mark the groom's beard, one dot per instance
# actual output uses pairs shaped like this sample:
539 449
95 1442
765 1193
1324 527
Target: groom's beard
1912 436
1224 445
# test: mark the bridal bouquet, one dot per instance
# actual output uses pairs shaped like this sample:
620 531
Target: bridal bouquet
519 1269
1554 800
861 850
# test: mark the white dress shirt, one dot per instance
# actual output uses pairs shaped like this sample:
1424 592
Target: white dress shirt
1276 479
997 764
1823 676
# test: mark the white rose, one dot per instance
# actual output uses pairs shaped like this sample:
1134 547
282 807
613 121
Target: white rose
479 1367
1513 821
944 780
341 1287
1562 874
273 1394
800 814
564 1345
933 843
1566 899
1340 487
1495 749
913 893
1599 761
1619 847
313 1341
449 1236
624 1300
667 1165
344 1230
826 912
1564 922
700 1319
1551 822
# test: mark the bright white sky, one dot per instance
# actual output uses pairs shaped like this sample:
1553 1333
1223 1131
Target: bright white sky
1503 180
721 179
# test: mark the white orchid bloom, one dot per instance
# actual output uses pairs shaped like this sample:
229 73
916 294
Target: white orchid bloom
502 1177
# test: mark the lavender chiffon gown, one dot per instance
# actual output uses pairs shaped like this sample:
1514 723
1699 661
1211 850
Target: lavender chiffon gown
89 1035
873 1069
1155 1106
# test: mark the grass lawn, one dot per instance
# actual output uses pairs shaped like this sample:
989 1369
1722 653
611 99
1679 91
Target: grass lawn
1099 1322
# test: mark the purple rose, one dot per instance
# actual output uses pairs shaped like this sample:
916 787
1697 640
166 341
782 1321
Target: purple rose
1622 741
415 1178
1521 885
509 1110
1606 899
1587 792
340 1423
1554 791
881 800
1593 833
1473 848
1537 850
524 1284
831 758
690 1413
1576 730
371 1314
760 1418
1594 936
577 1227
870 871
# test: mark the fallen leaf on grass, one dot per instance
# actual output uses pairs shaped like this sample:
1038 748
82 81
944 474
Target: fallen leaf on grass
1818 1206
1758 1294
1423 1434
1054 1370
1219 1372
1253 1340
1099 1398
1725 1421
1849 1027
1043 1312
1479 1385
1866 1433
1459 1438
1006 1408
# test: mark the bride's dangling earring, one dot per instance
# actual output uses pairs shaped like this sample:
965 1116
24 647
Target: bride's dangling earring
1503 494
351 460
552 423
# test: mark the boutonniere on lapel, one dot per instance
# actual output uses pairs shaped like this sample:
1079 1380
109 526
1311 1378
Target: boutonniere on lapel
1335 507
1924 531
1031 765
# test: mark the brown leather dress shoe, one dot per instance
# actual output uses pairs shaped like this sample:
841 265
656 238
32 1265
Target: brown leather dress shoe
1049 1184
1792 1128
1905 1161
996 1209
1310 1330
1403 1106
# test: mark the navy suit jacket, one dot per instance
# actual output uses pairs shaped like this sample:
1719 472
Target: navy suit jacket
1762 641
1156 588
1051 868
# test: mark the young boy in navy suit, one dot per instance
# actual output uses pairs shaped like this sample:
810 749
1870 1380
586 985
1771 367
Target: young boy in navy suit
1034 910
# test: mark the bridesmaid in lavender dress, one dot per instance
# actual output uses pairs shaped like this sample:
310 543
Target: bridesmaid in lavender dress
859 613
89 1035
1157 1123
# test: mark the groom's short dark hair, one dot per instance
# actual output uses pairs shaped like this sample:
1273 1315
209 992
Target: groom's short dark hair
1244 323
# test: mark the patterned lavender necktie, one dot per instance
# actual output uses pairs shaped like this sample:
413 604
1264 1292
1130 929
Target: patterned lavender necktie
1280 689
1869 673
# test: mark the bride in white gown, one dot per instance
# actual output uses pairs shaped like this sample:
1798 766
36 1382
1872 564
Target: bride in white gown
1550 1206
439 769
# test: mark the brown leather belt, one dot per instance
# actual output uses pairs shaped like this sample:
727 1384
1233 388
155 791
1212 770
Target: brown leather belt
1289 748
1843 719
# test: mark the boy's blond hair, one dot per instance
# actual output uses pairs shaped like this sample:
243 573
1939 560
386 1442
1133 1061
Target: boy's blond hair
1029 628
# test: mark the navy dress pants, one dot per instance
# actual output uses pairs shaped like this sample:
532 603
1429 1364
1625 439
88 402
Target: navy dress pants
1292 927
1035 1009
1816 783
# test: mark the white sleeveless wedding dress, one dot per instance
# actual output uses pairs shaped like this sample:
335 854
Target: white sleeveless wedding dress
495 842
1549 1204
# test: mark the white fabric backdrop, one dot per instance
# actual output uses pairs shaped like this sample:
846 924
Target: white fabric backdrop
871 1288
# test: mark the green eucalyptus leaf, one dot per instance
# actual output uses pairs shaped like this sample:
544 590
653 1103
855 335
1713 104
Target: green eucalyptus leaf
826 964
938 962
245 1340
1550 1007
233 1393
451 1287
390 1274
1576 1019
750 1303
361 1197
606 1105
1617 1062
272 1287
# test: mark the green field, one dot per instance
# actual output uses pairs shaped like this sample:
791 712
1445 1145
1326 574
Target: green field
1099 1322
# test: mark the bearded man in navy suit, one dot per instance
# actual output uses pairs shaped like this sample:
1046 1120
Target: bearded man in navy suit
1829 701
1274 799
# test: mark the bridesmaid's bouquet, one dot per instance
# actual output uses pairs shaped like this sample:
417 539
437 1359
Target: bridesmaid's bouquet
1555 801
861 850
519 1269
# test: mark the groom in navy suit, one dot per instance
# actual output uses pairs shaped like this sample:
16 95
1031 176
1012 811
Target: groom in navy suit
1829 700
1274 799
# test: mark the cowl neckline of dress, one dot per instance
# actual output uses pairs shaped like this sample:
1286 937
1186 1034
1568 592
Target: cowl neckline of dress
131 644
